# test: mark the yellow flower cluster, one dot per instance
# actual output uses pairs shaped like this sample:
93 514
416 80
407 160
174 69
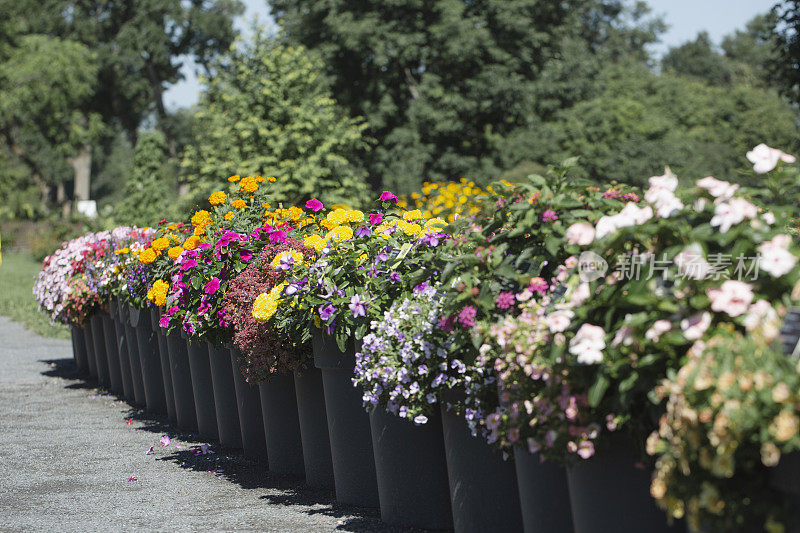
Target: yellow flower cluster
191 242
315 242
448 199
339 233
158 293
228 215
147 256
217 198
248 184
175 252
234 178
201 219
122 251
239 204
266 304
160 244
297 256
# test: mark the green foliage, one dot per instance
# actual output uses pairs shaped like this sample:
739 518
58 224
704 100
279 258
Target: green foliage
268 112
641 120
442 83
786 33
699 60
149 192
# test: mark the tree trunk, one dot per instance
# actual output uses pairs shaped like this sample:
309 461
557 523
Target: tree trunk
82 165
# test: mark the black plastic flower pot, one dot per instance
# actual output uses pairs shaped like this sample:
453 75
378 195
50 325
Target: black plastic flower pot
348 425
79 349
203 389
88 341
181 382
163 354
248 403
610 492
411 467
101 360
543 494
150 359
483 487
314 428
122 350
224 391
785 477
281 426
112 354
133 358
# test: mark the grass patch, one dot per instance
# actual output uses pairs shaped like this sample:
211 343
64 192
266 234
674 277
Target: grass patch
17 274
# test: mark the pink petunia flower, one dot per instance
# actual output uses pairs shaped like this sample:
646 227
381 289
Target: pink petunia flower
732 297
387 196
314 205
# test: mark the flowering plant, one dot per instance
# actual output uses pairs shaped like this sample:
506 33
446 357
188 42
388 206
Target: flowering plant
731 412
621 333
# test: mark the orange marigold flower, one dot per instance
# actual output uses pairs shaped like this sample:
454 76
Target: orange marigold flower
199 231
234 178
248 184
217 198
201 219
272 179
147 256
239 204
259 179
175 251
229 215
191 242
160 244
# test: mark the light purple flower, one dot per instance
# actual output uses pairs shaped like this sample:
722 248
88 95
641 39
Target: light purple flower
327 311
358 306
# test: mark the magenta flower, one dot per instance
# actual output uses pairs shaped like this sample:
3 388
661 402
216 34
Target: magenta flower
314 205
539 285
467 316
164 322
549 216
505 300
165 441
245 256
387 196
212 286
375 218
189 263
278 236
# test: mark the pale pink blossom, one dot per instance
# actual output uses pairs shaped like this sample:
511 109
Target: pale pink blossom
588 344
559 321
639 215
606 226
763 317
691 262
623 336
668 181
732 297
769 218
721 190
580 294
664 200
580 233
728 214
696 325
765 158
774 256
658 328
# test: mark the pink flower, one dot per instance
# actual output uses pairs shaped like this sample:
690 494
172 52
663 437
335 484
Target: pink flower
696 325
245 256
580 295
728 214
189 263
588 344
658 328
691 262
668 181
722 190
762 316
505 300
765 158
586 449
212 286
314 205
375 218
467 316
580 233
775 258
559 321
623 336
165 441
164 322
539 285
549 215
277 236
732 297
387 196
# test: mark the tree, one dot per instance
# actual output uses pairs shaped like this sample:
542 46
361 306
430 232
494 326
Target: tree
149 191
754 49
440 82
46 85
786 71
269 112
699 60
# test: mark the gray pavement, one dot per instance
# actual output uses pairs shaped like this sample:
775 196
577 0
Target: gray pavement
70 462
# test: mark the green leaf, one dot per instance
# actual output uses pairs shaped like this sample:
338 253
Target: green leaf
597 390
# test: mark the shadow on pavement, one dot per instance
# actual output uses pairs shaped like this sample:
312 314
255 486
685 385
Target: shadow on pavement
247 472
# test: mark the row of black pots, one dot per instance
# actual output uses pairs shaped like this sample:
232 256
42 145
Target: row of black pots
312 424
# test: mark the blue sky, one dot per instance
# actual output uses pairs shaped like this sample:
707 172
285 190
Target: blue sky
685 19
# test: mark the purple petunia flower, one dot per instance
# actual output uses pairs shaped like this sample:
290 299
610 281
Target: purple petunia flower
358 306
327 311
363 231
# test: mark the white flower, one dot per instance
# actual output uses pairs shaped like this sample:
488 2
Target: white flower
606 226
580 233
588 344
664 200
636 214
722 190
769 218
775 258
668 181
726 216
580 294
696 325
765 158
658 328
559 321
732 297
624 336
762 316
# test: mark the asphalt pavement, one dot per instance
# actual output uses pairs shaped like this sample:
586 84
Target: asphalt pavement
75 458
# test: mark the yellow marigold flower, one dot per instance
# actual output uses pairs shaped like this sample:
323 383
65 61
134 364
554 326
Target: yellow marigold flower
337 217
201 219
148 256
158 293
259 179
217 198
314 242
175 251
272 179
234 178
172 237
122 251
384 227
354 215
305 222
248 184
294 213
199 231
281 261
416 214
276 291
265 205
172 227
228 215
340 233
264 307
410 228
191 242
239 204
328 224
160 244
